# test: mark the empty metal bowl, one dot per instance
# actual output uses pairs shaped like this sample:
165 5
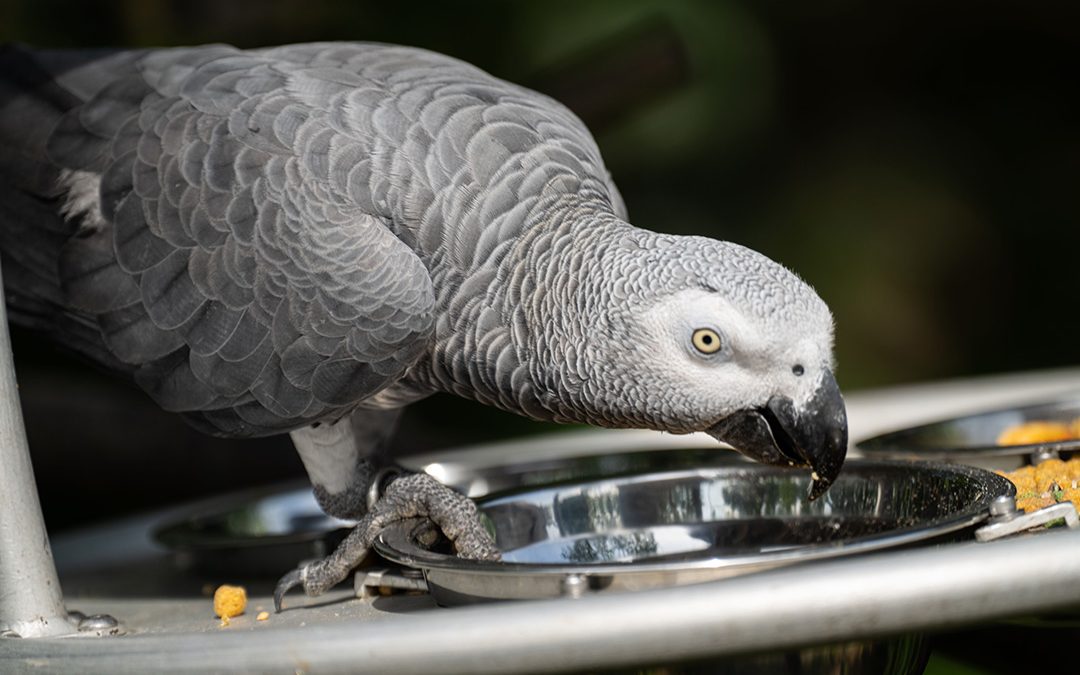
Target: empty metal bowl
692 525
257 533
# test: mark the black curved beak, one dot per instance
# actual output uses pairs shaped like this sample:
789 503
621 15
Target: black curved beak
814 437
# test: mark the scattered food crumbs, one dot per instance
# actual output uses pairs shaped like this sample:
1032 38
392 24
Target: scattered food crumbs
1046 484
262 616
229 601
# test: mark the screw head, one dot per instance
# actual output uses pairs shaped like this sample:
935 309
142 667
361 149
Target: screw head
575 585
1003 507
1044 454
97 622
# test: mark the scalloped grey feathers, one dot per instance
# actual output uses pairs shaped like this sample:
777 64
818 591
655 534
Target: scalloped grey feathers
280 235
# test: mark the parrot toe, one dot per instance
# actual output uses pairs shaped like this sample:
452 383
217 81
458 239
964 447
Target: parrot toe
414 495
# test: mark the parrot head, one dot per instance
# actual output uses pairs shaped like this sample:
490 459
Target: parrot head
758 378
703 335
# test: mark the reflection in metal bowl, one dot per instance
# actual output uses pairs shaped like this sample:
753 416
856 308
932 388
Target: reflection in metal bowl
677 527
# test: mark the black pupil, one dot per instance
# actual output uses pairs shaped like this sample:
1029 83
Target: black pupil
707 339
798 369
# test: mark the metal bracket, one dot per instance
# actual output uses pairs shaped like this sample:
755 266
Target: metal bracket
1006 519
384 581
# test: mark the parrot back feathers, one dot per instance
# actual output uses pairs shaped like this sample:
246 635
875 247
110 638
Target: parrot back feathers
219 269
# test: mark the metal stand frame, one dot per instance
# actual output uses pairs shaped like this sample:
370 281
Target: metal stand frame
31 602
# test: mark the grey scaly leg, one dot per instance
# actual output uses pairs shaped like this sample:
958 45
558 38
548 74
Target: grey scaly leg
343 457
336 457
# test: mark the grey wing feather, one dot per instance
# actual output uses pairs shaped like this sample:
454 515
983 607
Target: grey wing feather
228 271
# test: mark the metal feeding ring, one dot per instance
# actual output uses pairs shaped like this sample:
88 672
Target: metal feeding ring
383 477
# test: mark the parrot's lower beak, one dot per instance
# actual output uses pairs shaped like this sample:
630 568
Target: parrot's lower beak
814 436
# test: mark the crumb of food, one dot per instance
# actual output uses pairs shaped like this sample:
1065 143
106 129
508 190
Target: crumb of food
1023 478
262 616
1045 484
1049 472
229 601
1029 433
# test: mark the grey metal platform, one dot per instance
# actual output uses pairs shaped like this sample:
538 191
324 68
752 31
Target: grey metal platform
170 626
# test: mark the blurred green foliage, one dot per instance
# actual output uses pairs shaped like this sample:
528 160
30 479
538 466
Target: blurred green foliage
917 162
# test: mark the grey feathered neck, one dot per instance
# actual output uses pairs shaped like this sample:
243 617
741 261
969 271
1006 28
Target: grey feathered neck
540 341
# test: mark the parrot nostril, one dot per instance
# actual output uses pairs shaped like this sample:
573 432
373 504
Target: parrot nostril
798 370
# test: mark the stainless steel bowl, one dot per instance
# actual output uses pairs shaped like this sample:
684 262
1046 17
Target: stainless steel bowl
631 520
692 525
256 533
972 439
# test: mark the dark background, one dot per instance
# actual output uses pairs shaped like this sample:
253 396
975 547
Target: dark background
918 163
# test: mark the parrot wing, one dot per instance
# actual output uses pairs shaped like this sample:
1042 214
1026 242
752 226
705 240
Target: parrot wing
221 259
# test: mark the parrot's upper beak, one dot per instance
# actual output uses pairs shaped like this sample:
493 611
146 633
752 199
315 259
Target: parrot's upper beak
779 433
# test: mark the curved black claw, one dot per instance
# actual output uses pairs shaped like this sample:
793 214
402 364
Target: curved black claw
284 585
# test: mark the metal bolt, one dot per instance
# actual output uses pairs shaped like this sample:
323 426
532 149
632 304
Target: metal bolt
575 585
98 622
1003 507
1044 454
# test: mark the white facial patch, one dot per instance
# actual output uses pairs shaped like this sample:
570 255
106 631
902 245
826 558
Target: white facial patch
721 378
756 361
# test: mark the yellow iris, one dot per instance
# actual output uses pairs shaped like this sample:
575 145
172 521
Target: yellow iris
707 341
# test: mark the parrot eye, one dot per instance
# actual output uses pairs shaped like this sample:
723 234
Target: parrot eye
706 341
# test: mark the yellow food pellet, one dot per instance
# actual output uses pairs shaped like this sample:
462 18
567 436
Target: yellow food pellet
1071 495
1035 432
1023 478
1035 503
229 601
1050 471
262 616
1072 469
1033 483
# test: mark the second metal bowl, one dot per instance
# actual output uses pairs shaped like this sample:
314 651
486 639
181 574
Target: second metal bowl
973 439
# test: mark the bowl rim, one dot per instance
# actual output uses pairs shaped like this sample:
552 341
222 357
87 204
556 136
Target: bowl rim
396 542
900 444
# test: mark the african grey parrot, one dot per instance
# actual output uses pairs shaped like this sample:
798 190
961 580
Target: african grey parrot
307 238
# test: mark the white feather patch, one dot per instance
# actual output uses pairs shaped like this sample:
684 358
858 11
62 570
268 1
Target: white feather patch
83 199
329 454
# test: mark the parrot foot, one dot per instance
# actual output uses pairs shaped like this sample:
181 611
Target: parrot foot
408 496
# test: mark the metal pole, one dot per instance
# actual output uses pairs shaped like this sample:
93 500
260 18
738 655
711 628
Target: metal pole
819 603
31 602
